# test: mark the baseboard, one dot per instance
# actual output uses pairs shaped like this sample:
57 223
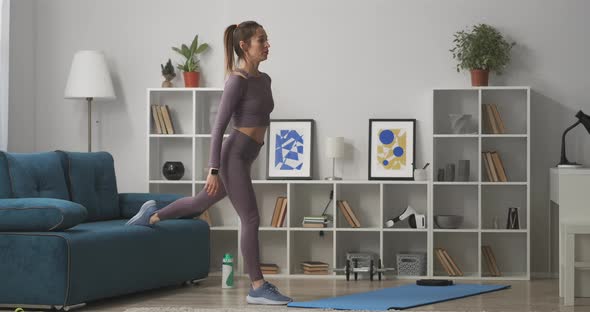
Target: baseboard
544 275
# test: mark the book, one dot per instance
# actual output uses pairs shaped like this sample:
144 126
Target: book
166 118
314 264
487 166
161 119
499 167
277 211
491 119
283 213
492 167
452 262
498 119
314 225
158 129
206 217
345 213
351 213
443 261
490 260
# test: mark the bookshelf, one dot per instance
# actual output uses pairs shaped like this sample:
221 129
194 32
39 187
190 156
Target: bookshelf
373 202
481 200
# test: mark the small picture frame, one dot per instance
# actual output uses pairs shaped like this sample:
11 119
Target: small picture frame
289 151
392 149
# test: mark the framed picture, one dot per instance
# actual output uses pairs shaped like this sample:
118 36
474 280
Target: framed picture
392 149
289 151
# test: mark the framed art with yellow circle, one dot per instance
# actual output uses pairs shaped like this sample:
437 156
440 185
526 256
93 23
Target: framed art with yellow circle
392 149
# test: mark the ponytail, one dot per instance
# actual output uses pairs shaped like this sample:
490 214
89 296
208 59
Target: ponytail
228 42
231 40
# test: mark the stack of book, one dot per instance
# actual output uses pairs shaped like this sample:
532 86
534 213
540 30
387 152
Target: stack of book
314 267
278 216
447 262
494 167
348 214
269 268
490 260
494 122
162 119
315 221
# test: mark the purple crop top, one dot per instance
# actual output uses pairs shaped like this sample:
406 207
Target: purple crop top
248 100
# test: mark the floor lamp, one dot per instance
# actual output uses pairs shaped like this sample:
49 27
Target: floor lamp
89 79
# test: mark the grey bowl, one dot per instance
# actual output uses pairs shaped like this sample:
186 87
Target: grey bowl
448 221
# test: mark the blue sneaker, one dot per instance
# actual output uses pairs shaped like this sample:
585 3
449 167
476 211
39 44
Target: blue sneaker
267 294
143 215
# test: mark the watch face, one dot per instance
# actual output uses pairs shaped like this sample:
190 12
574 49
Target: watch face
214 171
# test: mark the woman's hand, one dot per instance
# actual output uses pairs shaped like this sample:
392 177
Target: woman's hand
212 185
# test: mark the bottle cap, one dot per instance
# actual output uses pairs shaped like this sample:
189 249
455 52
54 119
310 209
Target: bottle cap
227 256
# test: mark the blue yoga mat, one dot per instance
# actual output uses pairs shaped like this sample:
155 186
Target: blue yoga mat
401 297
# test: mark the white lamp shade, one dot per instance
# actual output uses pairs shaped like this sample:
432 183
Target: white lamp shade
89 77
335 147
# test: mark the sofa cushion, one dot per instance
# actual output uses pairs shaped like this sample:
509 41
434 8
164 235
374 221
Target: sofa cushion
39 214
5 185
36 175
92 182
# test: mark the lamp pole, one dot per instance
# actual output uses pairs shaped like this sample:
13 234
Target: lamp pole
89 99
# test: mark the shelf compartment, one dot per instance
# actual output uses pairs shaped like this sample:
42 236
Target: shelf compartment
181 189
455 102
223 242
266 198
273 249
462 248
170 149
449 150
510 253
310 246
206 108
395 243
180 107
459 200
309 200
495 201
512 106
354 243
512 152
363 199
396 198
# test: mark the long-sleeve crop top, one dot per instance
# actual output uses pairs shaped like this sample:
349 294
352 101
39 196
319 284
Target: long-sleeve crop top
248 100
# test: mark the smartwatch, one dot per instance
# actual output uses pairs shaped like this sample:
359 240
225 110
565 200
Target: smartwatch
214 171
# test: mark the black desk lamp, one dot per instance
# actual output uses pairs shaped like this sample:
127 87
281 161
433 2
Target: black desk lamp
582 119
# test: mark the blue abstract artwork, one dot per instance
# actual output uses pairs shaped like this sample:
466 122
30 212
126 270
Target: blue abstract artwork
289 150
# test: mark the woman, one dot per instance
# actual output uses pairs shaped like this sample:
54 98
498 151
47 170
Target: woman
248 99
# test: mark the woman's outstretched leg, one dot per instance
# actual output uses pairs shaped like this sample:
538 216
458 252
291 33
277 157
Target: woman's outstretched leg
187 206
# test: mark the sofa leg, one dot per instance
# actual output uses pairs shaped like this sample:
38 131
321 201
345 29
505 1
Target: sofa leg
69 308
197 281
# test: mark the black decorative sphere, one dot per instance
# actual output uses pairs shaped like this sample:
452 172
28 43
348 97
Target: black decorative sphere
173 170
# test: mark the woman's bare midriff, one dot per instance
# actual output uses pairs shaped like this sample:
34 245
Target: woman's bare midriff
257 133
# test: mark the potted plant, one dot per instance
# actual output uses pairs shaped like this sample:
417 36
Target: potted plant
190 68
168 73
482 50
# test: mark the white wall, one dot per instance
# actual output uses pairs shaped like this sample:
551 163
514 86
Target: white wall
337 62
22 99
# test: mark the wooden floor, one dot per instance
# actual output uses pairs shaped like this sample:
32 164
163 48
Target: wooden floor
535 295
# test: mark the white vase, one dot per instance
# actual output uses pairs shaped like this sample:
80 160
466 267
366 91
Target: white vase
459 123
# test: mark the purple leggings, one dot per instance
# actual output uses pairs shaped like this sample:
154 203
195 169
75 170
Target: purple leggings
238 152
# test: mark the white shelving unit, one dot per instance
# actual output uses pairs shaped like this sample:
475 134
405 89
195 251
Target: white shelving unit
372 201
478 200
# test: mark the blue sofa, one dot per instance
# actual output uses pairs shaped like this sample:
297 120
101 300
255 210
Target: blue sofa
63 239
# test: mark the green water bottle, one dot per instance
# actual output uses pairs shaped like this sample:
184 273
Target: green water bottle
227 271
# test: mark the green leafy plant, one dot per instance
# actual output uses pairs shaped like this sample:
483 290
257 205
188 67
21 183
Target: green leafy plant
191 63
482 48
168 71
